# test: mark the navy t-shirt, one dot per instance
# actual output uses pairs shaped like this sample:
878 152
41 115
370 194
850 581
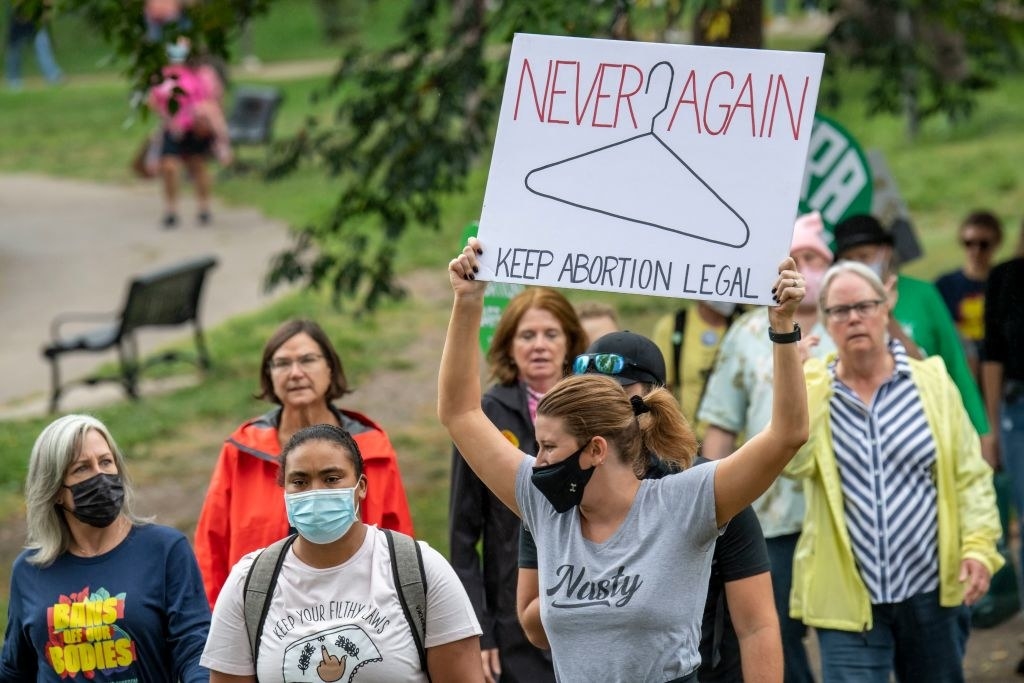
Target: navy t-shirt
965 299
136 613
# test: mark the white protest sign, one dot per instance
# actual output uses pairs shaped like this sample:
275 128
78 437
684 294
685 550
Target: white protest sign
644 168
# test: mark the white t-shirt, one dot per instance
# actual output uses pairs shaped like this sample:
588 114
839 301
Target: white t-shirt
326 624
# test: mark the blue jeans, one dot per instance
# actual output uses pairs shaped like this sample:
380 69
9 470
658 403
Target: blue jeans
44 55
918 639
1011 441
794 655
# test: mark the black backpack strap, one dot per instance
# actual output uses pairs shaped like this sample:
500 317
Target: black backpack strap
259 588
411 583
678 334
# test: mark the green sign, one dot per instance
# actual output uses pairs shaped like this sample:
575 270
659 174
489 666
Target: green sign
837 178
496 298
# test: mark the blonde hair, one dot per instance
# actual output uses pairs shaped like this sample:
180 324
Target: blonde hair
55 449
596 405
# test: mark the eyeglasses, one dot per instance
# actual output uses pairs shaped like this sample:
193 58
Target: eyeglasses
841 314
605 363
307 363
983 245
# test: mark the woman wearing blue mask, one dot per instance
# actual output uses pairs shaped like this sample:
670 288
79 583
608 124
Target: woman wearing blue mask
622 591
99 594
335 607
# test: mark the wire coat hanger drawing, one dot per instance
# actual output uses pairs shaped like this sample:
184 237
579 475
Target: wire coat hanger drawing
661 193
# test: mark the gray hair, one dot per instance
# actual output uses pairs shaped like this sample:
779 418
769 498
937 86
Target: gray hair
59 444
854 268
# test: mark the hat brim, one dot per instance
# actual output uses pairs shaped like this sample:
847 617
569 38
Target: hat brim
626 380
860 240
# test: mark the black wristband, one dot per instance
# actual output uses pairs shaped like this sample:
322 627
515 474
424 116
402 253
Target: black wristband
785 337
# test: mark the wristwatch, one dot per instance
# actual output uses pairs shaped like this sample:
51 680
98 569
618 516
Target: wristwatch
785 337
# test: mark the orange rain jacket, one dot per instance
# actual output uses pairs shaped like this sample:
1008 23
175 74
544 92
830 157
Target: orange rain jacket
244 508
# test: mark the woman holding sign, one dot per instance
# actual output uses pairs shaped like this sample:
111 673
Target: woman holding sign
621 595
534 343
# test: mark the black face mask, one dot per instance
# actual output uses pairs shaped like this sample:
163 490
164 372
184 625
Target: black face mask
98 499
562 483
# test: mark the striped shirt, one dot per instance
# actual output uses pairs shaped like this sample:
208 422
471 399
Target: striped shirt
886 457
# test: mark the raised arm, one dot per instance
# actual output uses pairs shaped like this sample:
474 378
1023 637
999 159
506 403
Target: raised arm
490 454
747 473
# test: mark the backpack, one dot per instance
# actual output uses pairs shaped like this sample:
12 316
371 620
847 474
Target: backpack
678 334
406 566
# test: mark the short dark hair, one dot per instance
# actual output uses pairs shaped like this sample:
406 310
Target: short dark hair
287 330
984 219
322 432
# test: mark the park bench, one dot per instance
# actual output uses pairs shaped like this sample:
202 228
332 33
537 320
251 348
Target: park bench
251 120
162 298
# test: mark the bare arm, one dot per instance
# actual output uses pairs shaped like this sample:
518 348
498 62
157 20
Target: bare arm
490 454
718 443
528 608
752 608
748 473
457 661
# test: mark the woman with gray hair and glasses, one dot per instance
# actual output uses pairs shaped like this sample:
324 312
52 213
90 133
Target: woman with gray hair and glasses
99 593
901 524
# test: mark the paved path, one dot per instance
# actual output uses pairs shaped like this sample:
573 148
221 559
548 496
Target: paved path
69 245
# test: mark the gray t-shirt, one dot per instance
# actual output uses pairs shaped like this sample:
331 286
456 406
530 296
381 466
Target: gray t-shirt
628 609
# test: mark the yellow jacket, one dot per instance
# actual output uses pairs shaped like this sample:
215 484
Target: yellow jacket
827 588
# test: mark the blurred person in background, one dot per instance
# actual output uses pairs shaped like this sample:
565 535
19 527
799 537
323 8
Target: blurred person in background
918 318
963 289
690 339
26 23
598 319
189 103
1002 373
302 374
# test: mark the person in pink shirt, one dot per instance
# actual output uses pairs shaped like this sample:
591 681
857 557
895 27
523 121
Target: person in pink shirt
188 101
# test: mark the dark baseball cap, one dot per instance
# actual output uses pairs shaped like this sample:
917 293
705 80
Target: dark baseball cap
644 362
857 230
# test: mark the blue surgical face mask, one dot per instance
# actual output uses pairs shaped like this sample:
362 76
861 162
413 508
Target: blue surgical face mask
322 515
177 53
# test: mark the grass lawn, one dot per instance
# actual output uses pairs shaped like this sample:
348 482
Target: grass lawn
84 129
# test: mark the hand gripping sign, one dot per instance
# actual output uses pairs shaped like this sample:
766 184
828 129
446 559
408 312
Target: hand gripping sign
646 168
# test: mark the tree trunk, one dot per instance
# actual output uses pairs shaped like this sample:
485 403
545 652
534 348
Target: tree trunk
908 71
732 23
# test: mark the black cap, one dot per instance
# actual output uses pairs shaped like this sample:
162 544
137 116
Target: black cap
648 363
857 230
